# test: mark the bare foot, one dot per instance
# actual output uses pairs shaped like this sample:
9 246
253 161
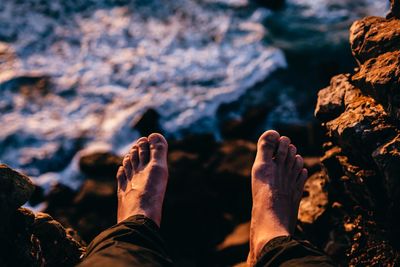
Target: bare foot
142 179
278 179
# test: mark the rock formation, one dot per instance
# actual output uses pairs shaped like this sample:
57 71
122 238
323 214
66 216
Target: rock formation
351 206
29 239
360 112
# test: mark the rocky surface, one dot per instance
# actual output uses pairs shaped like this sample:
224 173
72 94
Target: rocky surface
347 205
360 113
31 239
15 188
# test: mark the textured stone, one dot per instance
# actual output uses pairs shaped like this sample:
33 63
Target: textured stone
333 100
369 243
316 200
330 99
360 112
379 73
38 240
387 158
58 247
373 36
360 129
101 165
379 77
15 188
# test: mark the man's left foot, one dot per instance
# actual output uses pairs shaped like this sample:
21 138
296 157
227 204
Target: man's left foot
142 179
278 179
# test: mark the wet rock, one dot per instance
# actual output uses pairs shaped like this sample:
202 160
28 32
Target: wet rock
374 36
148 123
95 192
101 165
244 126
203 145
15 188
28 85
271 4
60 196
37 196
90 210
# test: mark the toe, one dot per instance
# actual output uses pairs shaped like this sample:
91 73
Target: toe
301 180
297 166
291 156
135 158
144 151
158 147
267 145
283 150
127 165
121 179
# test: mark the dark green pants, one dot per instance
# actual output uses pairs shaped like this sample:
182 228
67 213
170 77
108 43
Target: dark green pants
137 242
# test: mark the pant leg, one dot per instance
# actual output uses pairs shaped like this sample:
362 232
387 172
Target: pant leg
133 242
287 252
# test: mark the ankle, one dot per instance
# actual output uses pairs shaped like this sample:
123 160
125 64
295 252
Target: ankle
257 245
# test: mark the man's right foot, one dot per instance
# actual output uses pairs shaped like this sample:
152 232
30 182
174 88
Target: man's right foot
278 179
142 179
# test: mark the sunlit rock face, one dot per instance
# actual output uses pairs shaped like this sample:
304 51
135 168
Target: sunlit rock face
360 113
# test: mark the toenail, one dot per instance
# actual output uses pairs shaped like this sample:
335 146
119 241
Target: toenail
285 139
155 139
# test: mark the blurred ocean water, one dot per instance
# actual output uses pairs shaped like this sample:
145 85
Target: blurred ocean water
107 62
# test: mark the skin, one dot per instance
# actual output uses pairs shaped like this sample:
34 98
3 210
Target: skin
278 179
142 179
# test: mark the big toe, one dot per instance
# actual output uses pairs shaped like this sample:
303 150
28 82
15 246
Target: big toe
158 148
267 145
